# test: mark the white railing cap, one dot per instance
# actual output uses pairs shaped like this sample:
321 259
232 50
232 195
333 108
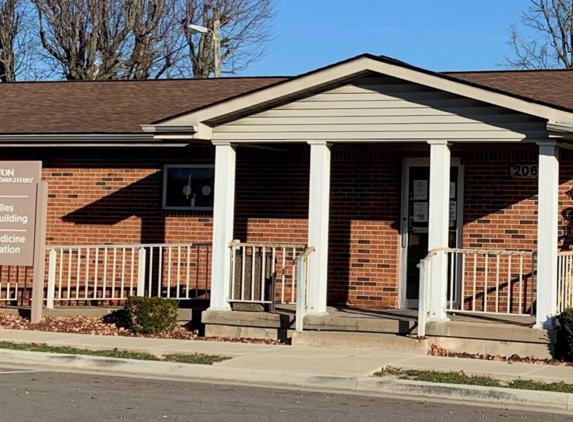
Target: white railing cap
238 244
126 245
484 251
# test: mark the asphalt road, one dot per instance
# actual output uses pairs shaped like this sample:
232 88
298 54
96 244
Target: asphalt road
61 397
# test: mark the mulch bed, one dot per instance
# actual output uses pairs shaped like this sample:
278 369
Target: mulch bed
106 326
438 351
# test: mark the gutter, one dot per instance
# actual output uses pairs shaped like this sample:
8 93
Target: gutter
562 127
88 140
190 132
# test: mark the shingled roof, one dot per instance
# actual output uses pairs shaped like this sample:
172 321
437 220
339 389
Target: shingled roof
549 86
109 106
121 107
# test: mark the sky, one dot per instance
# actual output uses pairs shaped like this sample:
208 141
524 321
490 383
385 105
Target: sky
439 35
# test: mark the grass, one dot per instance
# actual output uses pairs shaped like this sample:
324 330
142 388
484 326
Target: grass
115 353
464 379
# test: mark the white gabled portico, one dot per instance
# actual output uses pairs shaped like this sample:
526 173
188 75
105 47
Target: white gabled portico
370 99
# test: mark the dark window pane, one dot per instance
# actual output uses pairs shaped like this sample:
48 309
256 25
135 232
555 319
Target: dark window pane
189 187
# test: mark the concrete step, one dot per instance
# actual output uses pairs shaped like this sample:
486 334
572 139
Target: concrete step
372 341
355 323
400 343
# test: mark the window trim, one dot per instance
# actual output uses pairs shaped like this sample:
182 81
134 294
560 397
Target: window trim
164 206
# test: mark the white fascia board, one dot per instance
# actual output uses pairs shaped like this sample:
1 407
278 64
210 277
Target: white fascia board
78 138
95 140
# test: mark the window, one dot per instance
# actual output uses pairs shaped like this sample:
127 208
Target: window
188 187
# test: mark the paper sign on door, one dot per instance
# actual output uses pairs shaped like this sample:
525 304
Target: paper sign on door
420 190
420 212
453 213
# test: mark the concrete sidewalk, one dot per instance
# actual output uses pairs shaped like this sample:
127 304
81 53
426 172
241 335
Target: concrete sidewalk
302 360
340 370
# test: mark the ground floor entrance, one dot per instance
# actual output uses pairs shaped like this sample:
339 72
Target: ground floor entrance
414 227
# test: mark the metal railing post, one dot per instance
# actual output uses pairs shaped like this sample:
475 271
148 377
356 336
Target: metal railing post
141 271
51 279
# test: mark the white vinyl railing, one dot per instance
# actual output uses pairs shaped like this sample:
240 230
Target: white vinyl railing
302 272
264 273
493 281
425 292
564 281
15 284
109 274
484 281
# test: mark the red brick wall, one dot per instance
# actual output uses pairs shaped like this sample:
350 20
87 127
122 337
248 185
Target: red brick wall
271 198
114 195
500 212
365 210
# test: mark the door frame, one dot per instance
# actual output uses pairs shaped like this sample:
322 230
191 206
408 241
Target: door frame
403 243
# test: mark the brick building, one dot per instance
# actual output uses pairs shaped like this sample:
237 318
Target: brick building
399 160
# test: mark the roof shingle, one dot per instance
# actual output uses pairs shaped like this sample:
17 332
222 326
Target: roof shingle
123 106
549 86
109 106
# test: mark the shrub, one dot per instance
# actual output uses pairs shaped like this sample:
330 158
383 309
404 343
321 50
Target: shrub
565 336
150 315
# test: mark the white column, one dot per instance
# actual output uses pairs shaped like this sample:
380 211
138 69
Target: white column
223 219
547 226
318 220
438 230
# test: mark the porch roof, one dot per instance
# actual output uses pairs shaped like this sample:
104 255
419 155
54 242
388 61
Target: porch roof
200 121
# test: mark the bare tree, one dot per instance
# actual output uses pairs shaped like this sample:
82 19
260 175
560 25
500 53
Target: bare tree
129 39
10 28
545 37
107 39
244 36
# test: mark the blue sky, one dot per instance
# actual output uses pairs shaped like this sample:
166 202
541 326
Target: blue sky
435 34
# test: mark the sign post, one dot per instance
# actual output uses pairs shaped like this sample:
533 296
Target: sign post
23 206
39 252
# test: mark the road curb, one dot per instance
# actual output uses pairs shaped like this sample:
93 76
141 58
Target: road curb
190 372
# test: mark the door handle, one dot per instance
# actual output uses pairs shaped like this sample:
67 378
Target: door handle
405 232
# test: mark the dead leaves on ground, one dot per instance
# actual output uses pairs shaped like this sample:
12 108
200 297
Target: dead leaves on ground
97 326
436 350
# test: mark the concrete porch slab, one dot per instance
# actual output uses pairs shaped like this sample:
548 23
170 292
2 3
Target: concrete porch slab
490 331
390 330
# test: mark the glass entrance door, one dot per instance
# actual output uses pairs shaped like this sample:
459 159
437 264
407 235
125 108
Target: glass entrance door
414 225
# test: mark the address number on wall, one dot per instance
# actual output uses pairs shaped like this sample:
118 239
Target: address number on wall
524 171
